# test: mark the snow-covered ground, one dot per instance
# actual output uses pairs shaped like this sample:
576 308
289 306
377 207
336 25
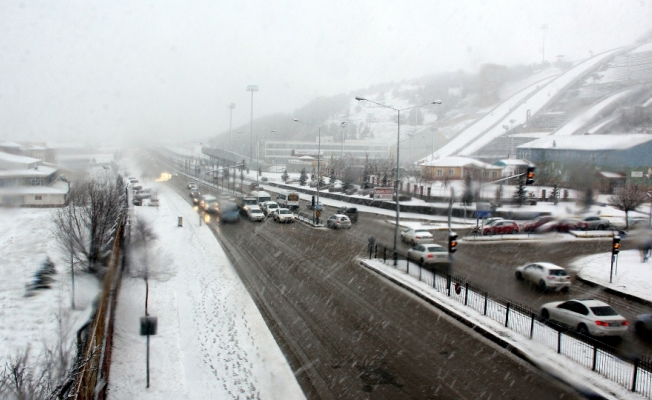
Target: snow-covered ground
212 341
42 319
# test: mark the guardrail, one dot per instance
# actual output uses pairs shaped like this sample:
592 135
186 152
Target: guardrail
635 374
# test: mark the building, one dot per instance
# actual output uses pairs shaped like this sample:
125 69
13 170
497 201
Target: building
616 151
512 166
26 181
456 168
277 152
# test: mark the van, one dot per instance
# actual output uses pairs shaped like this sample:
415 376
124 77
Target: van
261 196
288 200
246 202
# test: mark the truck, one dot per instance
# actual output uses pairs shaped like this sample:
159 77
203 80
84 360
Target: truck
246 202
261 196
288 199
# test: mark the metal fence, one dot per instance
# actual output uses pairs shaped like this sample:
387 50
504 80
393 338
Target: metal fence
633 374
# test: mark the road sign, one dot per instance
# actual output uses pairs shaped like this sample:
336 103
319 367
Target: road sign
381 193
318 213
318 207
482 214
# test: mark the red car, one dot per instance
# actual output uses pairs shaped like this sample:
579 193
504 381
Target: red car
501 228
536 223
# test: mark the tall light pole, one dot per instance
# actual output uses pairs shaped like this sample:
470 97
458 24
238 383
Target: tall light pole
511 137
398 142
343 125
543 43
231 106
252 89
258 155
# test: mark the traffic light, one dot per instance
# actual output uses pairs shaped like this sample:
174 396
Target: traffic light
452 243
615 246
529 176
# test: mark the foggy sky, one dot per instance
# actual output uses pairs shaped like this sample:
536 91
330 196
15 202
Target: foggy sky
119 71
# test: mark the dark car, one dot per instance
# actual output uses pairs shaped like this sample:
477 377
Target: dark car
533 225
230 213
350 212
196 196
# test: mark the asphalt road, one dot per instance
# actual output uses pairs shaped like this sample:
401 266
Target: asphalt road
348 333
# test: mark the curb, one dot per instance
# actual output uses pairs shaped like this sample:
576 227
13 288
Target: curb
615 292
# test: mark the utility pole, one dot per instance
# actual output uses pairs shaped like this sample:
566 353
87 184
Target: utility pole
252 89
231 106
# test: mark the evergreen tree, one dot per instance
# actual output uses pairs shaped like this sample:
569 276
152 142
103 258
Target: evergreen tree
303 178
285 176
520 195
554 197
332 177
499 194
467 196
588 199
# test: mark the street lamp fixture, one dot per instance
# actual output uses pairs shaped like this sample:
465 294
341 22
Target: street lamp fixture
398 142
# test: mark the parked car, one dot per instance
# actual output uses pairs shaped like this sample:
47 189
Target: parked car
501 228
429 253
338 221
269 207
416 236
643 325
255 214
563 225
594 222
350 212
588 317
545 275
283 215
486 223
195 196
533 225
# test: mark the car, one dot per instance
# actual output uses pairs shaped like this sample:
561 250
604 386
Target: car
255 214
195 196
429 253
229 213
588 317
338 221
283 215
350 212
416 236
501 228
191 185
643 325
545 275
485 223
563 225
210 204
269 207
533 225
594 222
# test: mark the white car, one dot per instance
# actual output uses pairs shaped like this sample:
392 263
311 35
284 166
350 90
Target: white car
338 221
588 317
428 253
269 208
545 275
283 215
416 236
255 214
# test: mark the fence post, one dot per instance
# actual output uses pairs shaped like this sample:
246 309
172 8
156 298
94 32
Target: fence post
486 294
371 250
376 251
466 294
559 342
395 259
420 269
636 360
384 254
532 325
507 316
407 261
448 285
595 357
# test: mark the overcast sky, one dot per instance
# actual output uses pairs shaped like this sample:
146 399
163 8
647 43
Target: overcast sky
112 71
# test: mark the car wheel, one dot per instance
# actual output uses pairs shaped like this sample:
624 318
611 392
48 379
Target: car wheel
514 232
413 243
601 227
565 289
545 314
519 275
490 233
640 328
583 330
542 285
421 261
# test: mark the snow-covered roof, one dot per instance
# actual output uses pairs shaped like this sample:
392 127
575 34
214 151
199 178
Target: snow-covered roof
10 144
511 161
17 159
608 174
31 172
456 162
589 142
54 189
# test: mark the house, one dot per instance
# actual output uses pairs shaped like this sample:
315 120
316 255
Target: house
26 181
456 168
512 166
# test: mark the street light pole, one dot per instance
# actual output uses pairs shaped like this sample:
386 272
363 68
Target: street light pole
231 106
398 142
252 89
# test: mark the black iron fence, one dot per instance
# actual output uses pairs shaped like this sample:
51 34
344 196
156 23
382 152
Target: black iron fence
635 374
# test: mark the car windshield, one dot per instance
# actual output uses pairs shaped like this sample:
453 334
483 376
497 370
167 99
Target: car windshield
285 212
603 311
272 206
256 212
436 249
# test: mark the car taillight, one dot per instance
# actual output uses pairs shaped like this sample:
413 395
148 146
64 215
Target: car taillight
567 276
625 323
417 237
551 276
430 256
602 323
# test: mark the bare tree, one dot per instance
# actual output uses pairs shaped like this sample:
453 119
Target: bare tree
86 228
627 198
144 262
